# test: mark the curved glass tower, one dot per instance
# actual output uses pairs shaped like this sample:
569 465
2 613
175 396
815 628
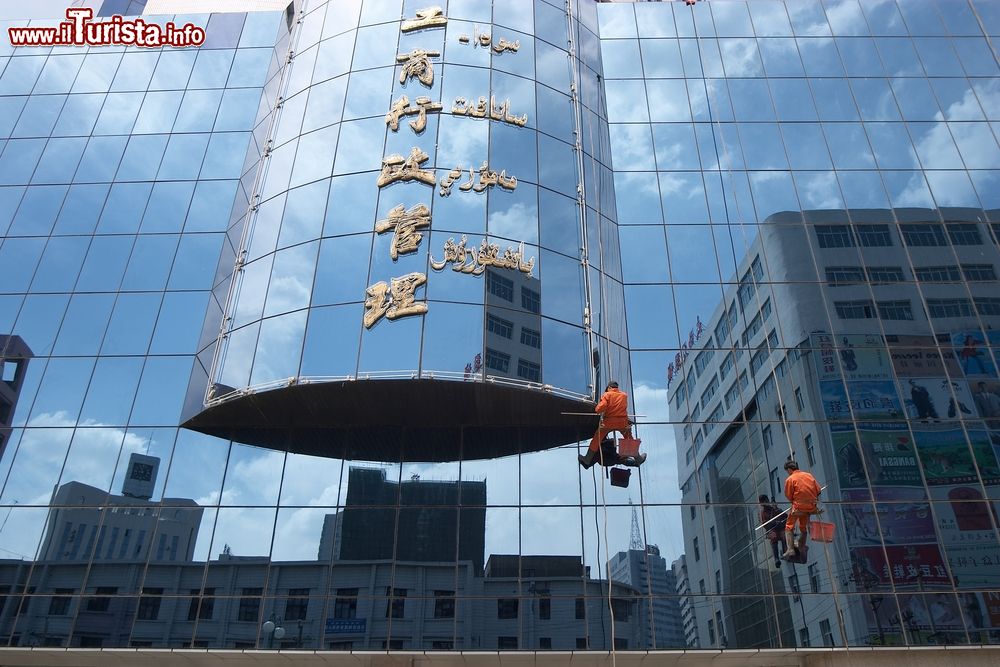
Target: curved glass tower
423 272
302 328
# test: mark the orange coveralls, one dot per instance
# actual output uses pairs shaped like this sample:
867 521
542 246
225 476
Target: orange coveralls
614 405
803 490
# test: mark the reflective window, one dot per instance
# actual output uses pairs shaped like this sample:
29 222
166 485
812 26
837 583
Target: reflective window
764 220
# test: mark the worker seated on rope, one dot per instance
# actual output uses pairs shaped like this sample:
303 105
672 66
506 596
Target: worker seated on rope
613 408
803 491
770 520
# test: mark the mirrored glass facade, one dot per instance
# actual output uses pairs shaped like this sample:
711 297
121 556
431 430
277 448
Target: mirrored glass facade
303 329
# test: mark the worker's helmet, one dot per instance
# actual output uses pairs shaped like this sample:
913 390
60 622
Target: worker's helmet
612 385
791 465
763 499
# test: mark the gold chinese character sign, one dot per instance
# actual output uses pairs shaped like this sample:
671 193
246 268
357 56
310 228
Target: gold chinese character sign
431 17
402 107
396 168
405 225
417 65
394 300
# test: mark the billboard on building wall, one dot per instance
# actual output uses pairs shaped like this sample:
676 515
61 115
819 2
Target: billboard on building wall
901 565
920 356
883 450
900 515
924 617
966 521
973 352
935 398
864 400
952 455
896 535
851 357
986 398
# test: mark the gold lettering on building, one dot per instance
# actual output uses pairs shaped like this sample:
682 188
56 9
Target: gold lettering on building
395 300
485 39
484 108
417 65
405 224
402 107
397 168
472 261
431 17
478 182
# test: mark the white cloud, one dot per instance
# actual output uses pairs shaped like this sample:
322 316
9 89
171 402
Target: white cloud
740 57
632 147
518 222
819 191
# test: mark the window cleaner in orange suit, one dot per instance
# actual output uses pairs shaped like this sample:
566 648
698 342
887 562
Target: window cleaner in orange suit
803 491
614 410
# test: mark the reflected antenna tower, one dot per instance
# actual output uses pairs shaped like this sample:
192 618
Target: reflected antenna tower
635 541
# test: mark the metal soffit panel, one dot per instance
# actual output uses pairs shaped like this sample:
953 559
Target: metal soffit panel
400 420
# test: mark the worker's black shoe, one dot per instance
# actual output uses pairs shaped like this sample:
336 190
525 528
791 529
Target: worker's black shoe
587 460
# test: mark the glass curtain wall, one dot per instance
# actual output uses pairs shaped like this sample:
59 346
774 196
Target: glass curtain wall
774 223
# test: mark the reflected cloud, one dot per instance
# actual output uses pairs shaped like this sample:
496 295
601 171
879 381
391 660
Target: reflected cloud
740 57
819 190
632 147
640 182
671 184
519 222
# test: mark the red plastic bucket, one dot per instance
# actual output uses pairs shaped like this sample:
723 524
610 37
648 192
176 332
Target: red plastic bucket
628 447
821 531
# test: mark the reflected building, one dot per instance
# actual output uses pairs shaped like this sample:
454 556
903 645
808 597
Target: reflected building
645 569
276 306
414 520
431 599
689 620
863 364
89 525
16 355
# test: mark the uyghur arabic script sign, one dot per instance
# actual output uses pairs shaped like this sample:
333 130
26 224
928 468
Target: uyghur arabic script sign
471 260
397 297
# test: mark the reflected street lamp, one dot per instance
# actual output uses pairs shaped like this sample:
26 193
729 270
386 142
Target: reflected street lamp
272 628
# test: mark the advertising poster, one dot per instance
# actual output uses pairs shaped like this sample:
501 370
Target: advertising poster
874 400
947 456
919 356
974 609
910 565
991 600
995 442
926 618
889 455
986 398
866 400
834 397
825 356
936 398
850 467
903 514
934 615
851 357
966 526
973 354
